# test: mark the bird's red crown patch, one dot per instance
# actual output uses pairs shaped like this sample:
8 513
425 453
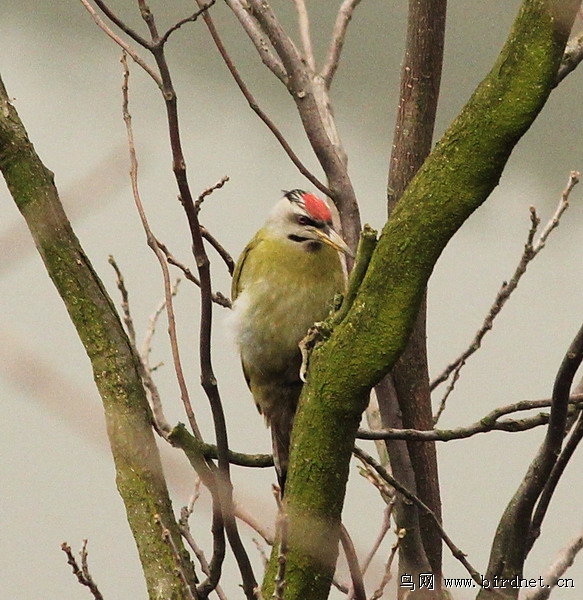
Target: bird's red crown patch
316 207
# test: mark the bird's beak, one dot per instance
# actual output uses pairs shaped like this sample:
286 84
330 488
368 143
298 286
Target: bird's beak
331 238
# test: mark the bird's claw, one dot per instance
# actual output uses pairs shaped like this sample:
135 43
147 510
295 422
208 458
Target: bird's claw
306 346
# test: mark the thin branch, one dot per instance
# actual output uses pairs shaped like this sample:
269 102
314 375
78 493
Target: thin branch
239 458
385 527
160 423
82 574
357 590
531 249
387 493
191 19
572 57
184 527
338 36
121 25
243 515
490 422
282 529
456 552
152 242
120 42
378 593
553 479
151 330
560 401
221 251
511 546
209 190
125 306
217 297
306 37
167 537
256 35
257 109
557 569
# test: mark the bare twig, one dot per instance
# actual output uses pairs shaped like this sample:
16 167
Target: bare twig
262 553
304 27
258 461
120 42
378 593
511 545
82 574
531 249
572 57
217 297
191 19
243 515
160 423
251 100
556 570
256 35
456 552
125 306
357 590
553 479
385 490
151 330
385 526
123 26
338 36
222 252
281 525
209 190
489 422
167 537
152 242
184 528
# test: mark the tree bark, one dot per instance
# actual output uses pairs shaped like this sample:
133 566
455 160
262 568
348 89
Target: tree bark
418 99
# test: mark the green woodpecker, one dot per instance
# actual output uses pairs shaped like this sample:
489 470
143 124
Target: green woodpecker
284 281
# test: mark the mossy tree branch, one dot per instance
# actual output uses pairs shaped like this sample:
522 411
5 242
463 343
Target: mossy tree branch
140 479
454 181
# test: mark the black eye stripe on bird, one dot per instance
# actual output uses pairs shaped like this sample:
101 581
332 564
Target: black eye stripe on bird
284 282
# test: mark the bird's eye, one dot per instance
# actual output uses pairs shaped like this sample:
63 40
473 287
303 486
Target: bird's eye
303 220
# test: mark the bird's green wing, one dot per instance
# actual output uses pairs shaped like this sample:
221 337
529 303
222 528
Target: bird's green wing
238 276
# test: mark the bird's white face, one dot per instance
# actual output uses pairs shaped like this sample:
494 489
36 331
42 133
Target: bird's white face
304 219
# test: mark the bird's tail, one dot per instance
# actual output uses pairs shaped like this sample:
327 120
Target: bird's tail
281 426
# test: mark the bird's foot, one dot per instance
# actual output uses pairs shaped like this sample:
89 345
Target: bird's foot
307 344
